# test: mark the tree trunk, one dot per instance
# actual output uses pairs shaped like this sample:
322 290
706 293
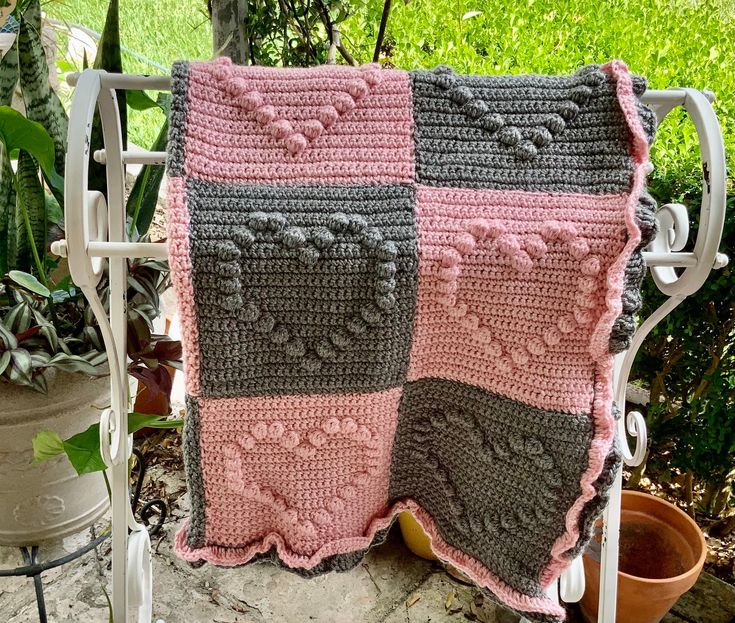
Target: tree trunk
228 30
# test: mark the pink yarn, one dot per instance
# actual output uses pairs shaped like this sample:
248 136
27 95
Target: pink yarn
281 126
177 232
293 460
464 286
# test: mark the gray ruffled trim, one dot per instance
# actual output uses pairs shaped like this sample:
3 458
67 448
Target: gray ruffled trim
593 509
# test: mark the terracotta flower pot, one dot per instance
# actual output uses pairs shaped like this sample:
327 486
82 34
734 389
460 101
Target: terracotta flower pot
662 552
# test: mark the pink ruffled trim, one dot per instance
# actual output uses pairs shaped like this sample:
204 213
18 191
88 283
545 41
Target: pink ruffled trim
599 345
475 570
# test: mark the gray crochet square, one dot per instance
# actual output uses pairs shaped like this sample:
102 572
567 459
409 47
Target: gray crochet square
302 289
496 475
536 133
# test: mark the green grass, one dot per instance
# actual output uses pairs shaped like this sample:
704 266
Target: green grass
161 31
672 42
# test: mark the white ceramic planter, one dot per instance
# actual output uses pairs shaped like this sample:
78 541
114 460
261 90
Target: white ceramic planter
49 500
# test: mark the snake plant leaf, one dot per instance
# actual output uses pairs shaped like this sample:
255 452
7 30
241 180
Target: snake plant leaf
9 75
143 196
29 282
7 207
46 445
41 101
30 215
21 367
74 363
109 58
17 132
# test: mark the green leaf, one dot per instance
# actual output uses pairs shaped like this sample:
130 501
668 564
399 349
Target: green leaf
9 75
74 363
54 211
17 132
83 451
21 368
143 196
109 58
46 445
30 207
29 282
136 421
41 101
4 361
40 384
19 318
7 336
140 100
7 208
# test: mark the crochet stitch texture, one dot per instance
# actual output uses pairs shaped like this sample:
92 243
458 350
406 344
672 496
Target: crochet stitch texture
402 291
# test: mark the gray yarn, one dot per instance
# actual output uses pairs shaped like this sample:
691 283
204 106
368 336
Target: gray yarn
194 478
497 476
593 509
339 315
177 119
537 133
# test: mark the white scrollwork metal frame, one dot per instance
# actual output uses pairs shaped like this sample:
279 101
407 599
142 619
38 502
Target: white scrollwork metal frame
96 232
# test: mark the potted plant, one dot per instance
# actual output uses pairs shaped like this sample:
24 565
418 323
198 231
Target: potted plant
52 359
662 552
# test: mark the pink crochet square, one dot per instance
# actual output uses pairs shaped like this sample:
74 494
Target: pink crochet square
306 473
512 286
331 124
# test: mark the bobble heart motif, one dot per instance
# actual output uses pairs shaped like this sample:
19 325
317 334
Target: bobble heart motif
521 253
525 144
308 249
304 445
297 140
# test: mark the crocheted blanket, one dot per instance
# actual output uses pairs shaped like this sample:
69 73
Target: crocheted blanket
402 291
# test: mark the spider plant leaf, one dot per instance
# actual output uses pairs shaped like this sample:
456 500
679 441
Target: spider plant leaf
74 363
7 336
18 319
4 361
